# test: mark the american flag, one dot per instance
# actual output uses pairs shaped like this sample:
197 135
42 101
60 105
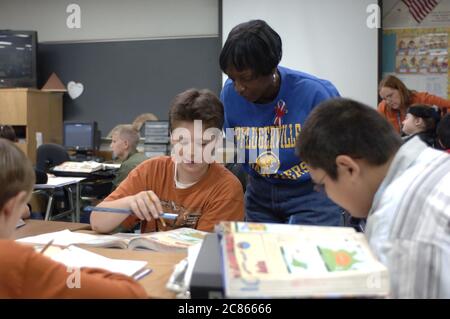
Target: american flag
419 9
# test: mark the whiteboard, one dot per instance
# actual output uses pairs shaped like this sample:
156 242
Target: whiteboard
327 38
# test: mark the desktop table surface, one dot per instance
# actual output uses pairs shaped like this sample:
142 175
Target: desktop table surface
161 263
35 227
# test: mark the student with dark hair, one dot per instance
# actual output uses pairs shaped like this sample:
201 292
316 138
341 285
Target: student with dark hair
443 133
24 273
421 121
266 106
397 98
189 184
402 189
7 131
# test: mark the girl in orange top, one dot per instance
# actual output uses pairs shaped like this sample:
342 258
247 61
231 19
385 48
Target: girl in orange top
397 98
25 273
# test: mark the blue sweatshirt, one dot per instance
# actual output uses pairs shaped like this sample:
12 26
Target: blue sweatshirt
264 145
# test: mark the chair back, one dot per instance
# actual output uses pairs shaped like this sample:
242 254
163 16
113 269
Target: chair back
50 155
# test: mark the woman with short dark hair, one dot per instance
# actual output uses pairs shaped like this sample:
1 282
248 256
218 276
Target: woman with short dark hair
266 105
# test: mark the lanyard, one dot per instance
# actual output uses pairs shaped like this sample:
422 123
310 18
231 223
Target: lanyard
399 121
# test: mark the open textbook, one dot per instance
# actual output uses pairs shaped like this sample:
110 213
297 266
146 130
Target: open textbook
173 240
284 261
79 167
84 167
76 257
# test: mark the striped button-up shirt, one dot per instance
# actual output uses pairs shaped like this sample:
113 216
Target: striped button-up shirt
409 223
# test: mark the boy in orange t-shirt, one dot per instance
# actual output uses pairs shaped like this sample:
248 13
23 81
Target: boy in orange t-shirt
189 184
24 273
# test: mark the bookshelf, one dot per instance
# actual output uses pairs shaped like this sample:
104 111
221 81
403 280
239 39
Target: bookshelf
31 111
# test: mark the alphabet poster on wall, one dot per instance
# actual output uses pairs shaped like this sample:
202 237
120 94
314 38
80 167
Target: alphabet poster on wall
419 57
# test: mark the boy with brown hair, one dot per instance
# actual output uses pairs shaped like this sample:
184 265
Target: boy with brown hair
24 273
196 190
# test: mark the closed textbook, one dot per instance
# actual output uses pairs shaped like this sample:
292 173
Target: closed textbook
286 261
173 240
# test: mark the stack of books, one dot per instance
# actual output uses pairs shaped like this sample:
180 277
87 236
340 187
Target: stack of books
156 138
291 261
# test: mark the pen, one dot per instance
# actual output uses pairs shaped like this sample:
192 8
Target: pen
123 211
46 246
142 274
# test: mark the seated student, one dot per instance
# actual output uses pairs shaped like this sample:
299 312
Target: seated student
124 142
421 120
24 273
358 159
200 193
443 133
397 98
6 131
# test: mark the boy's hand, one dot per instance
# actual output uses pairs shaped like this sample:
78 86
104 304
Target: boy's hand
146 205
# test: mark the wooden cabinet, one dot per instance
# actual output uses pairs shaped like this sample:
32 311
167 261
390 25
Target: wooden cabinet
32 111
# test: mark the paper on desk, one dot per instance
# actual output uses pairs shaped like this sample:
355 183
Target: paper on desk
55 181
63 238
76 257
180 280
110 166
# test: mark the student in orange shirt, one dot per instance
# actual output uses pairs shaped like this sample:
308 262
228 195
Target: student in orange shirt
397 98
197 191
24 273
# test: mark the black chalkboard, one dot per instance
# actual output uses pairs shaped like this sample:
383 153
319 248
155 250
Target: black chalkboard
127 78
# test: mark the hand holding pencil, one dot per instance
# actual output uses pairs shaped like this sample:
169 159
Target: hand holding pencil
144 205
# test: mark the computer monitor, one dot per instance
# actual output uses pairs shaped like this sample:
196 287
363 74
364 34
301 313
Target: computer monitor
18 58
80 136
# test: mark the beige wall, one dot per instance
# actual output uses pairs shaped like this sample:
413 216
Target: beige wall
112 19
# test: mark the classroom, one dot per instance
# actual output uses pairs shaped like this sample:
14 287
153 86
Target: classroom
224 149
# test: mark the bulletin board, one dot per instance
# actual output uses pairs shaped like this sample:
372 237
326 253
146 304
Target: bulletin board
418 57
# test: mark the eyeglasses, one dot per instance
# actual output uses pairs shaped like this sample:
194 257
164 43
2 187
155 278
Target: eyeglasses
320 186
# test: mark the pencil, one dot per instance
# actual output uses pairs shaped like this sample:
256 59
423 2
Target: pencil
46 246
161 219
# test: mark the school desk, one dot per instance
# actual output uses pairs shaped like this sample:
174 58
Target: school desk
161 263
35 227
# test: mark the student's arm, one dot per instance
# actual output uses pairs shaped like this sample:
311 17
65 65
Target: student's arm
436 100
133 194
45 278
140 204
381 108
